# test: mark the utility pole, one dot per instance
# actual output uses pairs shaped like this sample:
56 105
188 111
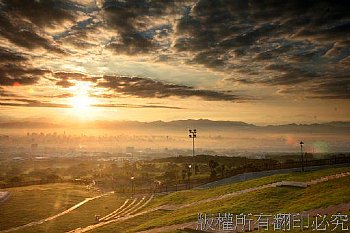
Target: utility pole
302 155
193 135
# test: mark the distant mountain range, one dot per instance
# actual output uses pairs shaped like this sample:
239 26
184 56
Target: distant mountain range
181 125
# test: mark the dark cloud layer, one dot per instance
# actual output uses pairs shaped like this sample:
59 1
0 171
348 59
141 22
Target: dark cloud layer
300 46
4 93
249 40
133 19
279 43
22 102
143 87
22 21
40 13
15 69
149 88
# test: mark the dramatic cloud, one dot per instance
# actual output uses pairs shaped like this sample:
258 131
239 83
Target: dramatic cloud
41 13
135 106
142 87
4 93
142 26
23 22
15 69
299 47
148 88
20 102
271 42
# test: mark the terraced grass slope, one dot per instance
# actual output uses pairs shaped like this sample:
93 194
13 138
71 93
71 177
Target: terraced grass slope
124 214
269 200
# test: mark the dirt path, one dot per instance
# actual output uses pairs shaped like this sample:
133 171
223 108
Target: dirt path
55 216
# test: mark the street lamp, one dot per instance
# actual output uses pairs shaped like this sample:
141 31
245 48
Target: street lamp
193 135
189 175
132 185
302 155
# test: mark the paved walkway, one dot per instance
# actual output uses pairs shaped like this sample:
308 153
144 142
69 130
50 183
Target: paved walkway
255 175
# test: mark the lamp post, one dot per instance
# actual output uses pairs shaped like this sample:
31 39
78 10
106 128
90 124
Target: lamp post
189 175
302 155
193 135
132 185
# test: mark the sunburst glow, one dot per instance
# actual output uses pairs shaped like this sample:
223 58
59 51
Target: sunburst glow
81 101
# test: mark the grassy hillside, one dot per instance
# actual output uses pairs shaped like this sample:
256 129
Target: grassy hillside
37 202
190 196
32 203
80 217
270 200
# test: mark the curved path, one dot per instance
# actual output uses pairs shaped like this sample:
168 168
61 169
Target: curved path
55 216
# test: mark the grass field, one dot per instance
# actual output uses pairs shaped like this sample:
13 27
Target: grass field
81 216
31 203
190 196
270 200
37 202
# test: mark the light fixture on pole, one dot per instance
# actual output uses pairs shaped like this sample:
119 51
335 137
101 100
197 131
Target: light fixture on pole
189 176
193 135
132 185
302 155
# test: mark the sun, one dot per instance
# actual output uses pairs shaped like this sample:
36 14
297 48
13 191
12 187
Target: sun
81 101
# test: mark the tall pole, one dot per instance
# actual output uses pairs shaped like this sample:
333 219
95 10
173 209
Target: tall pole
189 176
193 135
132 186
193 147
302 156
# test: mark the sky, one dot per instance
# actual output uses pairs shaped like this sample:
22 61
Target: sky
261 62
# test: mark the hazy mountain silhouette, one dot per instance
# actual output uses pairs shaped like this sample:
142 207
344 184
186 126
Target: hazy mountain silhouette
181 125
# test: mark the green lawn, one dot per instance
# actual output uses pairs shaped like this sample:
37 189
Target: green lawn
190 196
269 201
80 217
36 202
